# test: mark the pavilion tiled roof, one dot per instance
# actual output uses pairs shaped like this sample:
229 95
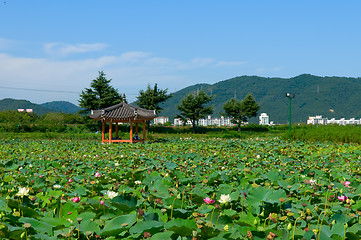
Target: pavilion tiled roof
123 112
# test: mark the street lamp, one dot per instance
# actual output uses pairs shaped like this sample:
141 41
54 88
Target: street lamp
290 96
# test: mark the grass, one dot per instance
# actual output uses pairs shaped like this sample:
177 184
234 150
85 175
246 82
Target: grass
328 133
49 135
308 133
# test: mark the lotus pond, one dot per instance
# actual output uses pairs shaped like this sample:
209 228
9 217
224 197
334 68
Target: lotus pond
180 189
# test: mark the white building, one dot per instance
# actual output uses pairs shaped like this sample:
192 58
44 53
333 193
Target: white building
179 122
29 110
160 120
209 121
320 120
317 120
264 119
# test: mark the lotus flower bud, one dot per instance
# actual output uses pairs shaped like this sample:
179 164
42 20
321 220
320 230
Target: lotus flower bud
289 227
226 228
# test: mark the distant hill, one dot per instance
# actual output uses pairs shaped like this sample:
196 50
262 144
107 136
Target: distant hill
331 97
61 106
40 109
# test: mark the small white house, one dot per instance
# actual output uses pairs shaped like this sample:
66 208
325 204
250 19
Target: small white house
28 110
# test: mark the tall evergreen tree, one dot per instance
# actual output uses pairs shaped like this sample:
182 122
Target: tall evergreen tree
100 94
192 107
250 106
233 109
241 111
152 97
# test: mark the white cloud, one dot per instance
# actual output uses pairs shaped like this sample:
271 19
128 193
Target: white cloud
260 70
277 69
130 72
172 64
42 73
133 57
229 63
4 43
63 49
201 62
7 44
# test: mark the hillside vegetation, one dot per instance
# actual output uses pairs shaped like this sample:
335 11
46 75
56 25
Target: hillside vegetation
40 109
331 97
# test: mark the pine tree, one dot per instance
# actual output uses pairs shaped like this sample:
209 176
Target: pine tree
100 94
152 97
192 107
241 111
249 106
233 109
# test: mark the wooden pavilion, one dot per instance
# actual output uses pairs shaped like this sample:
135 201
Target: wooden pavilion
123 113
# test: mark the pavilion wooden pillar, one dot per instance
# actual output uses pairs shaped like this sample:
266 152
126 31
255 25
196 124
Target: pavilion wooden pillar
131 131
144 131
103 131
116 130
110 131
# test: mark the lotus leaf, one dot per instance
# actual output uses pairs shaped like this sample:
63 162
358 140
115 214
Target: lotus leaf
117 225
180 226
89 225
150 226
162 235
273 185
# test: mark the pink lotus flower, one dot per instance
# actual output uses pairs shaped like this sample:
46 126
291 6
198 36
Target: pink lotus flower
101 202
97 174
70 180
208 200
342 198
76 199
312 182
347 184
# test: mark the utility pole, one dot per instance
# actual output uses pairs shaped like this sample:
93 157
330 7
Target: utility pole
290 96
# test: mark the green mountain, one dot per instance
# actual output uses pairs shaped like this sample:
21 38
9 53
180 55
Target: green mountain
40 109
61 106
331 97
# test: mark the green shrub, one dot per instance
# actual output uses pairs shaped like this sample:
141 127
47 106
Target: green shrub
327 133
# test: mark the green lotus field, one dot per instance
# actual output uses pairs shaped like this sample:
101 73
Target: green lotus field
180 189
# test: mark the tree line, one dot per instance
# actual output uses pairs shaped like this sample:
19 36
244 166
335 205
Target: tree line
102 94
14 121
193 106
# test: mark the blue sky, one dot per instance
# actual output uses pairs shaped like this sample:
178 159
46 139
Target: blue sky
52 50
